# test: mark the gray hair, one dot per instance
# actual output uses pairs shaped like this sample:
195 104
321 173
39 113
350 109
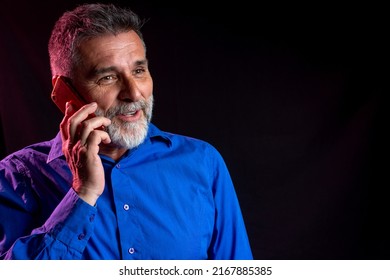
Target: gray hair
84 22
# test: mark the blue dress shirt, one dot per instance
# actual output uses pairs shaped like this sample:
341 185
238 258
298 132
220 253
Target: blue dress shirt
170 198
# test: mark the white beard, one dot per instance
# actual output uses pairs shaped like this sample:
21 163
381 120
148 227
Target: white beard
128 135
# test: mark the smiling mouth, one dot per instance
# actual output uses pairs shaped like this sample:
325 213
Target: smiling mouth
130 116
131 113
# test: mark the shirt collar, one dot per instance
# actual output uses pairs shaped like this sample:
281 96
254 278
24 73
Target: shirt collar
56 148
154 134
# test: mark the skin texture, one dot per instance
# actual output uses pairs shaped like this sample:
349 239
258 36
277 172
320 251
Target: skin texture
113 71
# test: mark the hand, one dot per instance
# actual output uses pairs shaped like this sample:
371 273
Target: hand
80 145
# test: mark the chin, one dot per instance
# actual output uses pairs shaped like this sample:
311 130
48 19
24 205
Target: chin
128 135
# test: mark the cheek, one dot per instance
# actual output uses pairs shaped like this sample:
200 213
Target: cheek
147 89
106 102
103 98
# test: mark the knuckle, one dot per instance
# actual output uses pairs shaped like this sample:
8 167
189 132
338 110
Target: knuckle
86 125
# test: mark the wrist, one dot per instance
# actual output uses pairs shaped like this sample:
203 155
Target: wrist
89 197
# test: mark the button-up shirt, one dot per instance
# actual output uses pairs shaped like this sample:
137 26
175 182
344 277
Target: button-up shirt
170 198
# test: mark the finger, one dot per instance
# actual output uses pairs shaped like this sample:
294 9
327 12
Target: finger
95 138
64 125
77 118
90 125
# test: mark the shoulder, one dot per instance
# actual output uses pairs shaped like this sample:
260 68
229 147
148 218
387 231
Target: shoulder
186 143
29 155
193 150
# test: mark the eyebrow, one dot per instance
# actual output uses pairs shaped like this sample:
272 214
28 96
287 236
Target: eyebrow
100 71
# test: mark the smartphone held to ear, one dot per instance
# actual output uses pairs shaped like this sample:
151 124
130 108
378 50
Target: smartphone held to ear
64 92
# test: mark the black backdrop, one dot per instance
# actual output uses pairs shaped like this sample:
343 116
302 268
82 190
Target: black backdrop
293 97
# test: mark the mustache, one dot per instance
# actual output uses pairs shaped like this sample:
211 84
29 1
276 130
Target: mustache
128 107
123 108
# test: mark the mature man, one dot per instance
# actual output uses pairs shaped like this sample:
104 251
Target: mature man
111 185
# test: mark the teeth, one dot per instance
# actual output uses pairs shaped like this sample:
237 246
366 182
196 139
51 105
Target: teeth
130 113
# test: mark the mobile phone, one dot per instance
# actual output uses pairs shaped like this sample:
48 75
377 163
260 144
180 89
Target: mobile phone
63 91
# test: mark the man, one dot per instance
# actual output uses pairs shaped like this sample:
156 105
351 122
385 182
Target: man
111 185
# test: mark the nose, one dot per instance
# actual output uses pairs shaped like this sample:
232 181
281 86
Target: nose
130 91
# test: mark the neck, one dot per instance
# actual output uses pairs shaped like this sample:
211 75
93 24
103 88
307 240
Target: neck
111 151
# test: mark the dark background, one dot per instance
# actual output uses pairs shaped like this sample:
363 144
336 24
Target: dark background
292 97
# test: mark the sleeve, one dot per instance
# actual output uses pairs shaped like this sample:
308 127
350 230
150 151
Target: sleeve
64 235
230 240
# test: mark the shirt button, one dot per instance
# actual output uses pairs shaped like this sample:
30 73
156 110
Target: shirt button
91 218
81 236
126 207
131 251
118 165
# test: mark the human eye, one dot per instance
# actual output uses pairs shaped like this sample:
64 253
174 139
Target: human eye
107 80
139 71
